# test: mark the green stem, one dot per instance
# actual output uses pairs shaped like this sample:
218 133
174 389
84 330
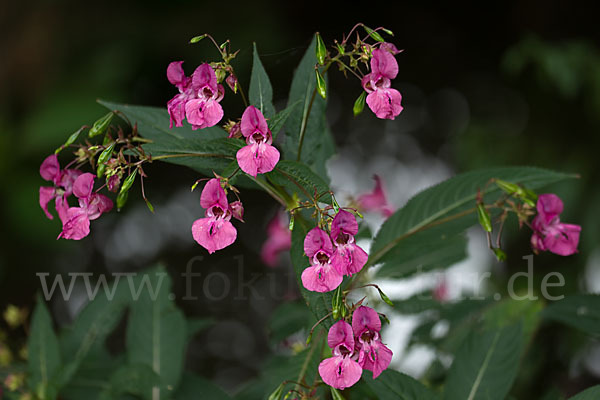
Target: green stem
269 189
308 358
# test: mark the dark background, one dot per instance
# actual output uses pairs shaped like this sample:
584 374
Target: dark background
529 72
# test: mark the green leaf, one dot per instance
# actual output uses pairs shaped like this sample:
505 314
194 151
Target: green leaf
278 121
261 92
486 365
592 393
318 145
134 379
156 333
287 319
192 386
298 178
44 356
411 238
153 123
393 385
581 311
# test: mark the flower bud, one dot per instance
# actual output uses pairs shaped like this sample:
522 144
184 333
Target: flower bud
484 217
232 82
101 125
112 182
70 140
359 104
196 39
103 158
237 210
321 86
276 395
385 298
291 225
500 254
121 199
373 34
320 50
149 205
128 181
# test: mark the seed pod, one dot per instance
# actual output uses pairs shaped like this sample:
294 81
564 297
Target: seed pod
101 125
103 158
69 141
484 217
276 395
373 34
196 39
385 298
320 50
321 86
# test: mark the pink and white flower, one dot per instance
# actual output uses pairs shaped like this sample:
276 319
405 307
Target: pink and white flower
372 354
382 99
63 181
551 234
320 276
258 156
341 370
348 257
215 231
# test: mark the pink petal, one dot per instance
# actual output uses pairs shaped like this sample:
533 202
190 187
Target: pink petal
390 47
376 359
365 319
268 157
246 159
175 74
340 334
176 109
343 222
385 103
348 259
77 226
62 208
204 76
384 63
340 372
203 113
563 239
50 169
549 206
213 234
279 240
213 112
213 195
46 195
83 186
67 180
253 121
317 240
321 278
375 200
97 205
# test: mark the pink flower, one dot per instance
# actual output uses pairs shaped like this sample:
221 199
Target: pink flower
63 186
341 370
91 206
440 293
383 100
376 200
321 276
348 258
215 232
198 98
551 234
373 355
279 239
258 156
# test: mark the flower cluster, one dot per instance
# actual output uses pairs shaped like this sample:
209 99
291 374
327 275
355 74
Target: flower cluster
355 348
548 232
332 255
198 98
75 220
382 99
215 231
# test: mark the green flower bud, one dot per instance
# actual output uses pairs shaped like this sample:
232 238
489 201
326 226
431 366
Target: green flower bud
276 395
103 158
69 141
385 298
196 39
121 199
320 50
373 34
359 104
500 254
484 217
101 125
321 86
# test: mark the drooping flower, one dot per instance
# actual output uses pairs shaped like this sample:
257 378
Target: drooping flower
382 99
215 231
176 106
63 186
91 206
551 234
258 156
348 257
204 111
372 354
376 200
341 370
321 276
279 239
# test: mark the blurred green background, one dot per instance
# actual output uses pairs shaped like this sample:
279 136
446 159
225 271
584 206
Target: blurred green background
528 73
